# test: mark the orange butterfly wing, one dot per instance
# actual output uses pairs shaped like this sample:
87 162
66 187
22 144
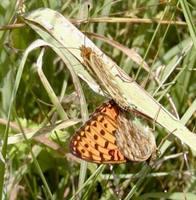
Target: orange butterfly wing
95 141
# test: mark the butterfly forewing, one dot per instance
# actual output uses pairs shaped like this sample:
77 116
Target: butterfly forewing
95 141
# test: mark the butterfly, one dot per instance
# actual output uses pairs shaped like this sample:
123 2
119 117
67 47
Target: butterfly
109 137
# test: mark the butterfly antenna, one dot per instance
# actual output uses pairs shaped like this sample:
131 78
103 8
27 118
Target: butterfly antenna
89 6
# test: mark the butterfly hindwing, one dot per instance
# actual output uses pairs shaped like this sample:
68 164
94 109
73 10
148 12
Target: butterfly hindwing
136 143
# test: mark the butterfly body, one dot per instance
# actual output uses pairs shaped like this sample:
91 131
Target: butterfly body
103 76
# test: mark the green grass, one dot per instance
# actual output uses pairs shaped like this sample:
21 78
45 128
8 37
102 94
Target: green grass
40 109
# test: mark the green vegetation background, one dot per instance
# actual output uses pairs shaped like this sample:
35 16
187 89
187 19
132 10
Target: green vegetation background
42 168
